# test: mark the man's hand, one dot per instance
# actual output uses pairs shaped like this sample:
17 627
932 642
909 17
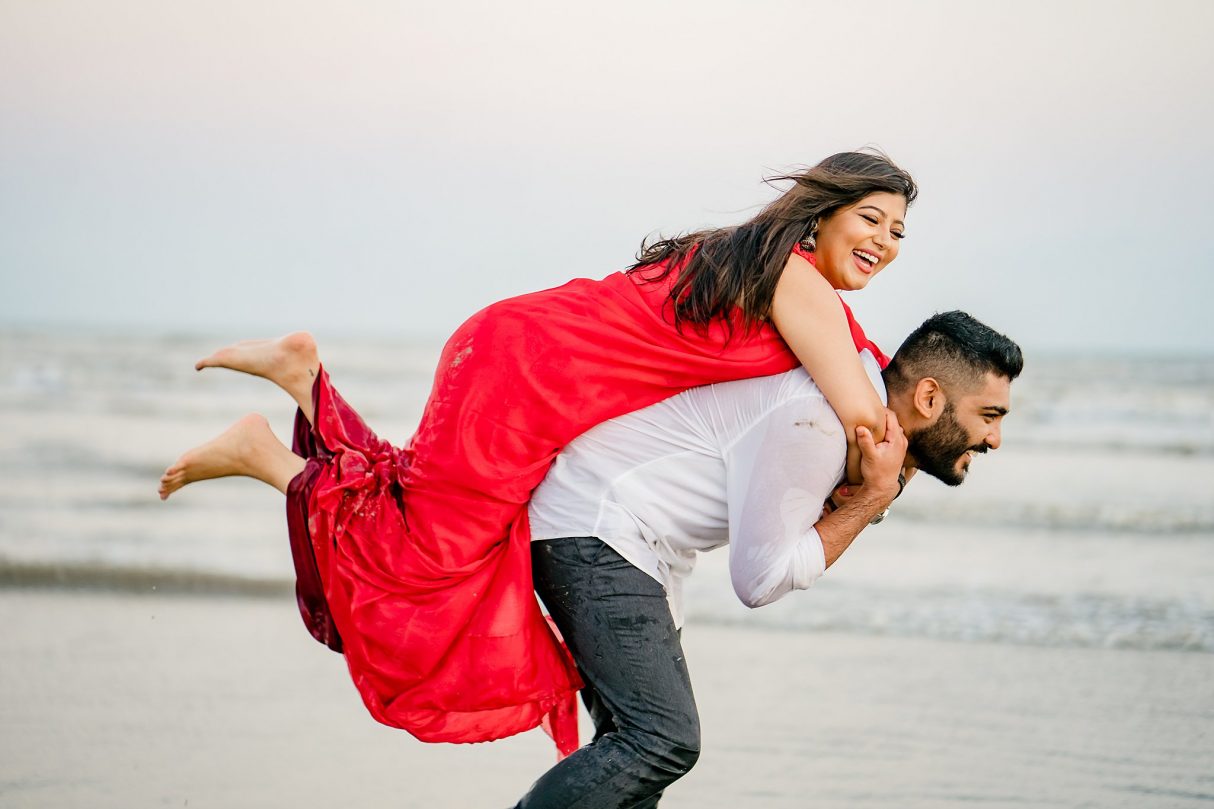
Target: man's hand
881 463
854 507
875 460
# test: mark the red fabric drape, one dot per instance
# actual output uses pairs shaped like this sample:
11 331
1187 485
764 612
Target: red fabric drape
416 562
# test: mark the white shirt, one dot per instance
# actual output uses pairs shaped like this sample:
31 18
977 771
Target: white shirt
747 463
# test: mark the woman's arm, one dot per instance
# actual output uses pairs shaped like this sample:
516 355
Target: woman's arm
807 313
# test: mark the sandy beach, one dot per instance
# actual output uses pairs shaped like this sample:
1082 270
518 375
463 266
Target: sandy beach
119 699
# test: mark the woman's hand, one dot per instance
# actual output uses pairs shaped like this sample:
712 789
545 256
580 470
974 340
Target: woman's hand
839 497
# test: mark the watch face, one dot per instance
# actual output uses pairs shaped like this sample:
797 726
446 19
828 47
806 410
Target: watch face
879 517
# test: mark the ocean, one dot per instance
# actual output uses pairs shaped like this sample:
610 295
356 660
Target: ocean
1093 525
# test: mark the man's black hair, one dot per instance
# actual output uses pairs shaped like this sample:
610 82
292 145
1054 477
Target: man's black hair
955 349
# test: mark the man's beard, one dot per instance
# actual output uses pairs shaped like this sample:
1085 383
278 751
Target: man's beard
936 449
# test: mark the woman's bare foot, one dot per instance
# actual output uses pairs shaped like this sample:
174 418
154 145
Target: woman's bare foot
290 362
246 448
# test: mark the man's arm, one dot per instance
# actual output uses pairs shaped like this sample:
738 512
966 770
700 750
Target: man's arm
880 465
778 476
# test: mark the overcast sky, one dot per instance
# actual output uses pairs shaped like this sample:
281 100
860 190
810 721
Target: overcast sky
251 167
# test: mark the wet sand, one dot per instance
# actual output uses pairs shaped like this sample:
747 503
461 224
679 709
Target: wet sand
148 700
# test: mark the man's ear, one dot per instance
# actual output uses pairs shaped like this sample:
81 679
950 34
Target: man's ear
928 398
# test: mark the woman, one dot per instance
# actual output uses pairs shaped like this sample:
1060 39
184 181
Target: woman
416 562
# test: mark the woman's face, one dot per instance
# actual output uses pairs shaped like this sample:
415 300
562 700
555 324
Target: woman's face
857 242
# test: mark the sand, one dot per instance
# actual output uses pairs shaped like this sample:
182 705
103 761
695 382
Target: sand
123 700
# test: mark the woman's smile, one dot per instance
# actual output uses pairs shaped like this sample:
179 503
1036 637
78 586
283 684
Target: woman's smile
865 260
858 241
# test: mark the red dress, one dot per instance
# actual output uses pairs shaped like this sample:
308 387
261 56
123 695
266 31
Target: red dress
416 562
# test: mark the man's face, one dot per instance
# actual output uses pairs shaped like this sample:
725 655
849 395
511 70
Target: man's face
970 424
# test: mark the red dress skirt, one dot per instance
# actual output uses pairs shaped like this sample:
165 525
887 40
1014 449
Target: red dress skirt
416 562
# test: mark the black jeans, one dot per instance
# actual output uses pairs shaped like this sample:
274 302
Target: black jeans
617 624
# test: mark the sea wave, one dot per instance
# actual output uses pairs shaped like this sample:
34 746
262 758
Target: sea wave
86 575
1149 443
1082 517
956 614
1074 620
1161 405
1098 468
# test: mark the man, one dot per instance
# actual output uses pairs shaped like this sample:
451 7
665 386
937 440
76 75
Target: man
618 520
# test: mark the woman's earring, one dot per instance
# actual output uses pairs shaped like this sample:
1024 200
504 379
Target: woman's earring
810 242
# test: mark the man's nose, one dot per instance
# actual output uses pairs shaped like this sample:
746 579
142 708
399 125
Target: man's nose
995 437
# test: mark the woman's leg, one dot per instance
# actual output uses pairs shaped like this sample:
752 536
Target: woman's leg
247 448
617 624
290 362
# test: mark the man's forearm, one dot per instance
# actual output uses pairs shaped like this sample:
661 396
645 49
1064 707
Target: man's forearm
841 526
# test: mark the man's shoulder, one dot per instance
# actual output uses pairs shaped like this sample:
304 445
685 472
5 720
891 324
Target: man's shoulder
727 407
790 384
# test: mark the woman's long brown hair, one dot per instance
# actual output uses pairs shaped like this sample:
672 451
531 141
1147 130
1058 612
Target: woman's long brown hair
739 266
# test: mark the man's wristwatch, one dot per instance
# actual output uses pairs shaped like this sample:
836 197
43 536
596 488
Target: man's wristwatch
885 513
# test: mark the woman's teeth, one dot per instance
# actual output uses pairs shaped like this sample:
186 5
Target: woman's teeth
866 256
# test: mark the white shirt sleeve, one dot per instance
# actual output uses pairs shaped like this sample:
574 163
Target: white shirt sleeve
778 474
